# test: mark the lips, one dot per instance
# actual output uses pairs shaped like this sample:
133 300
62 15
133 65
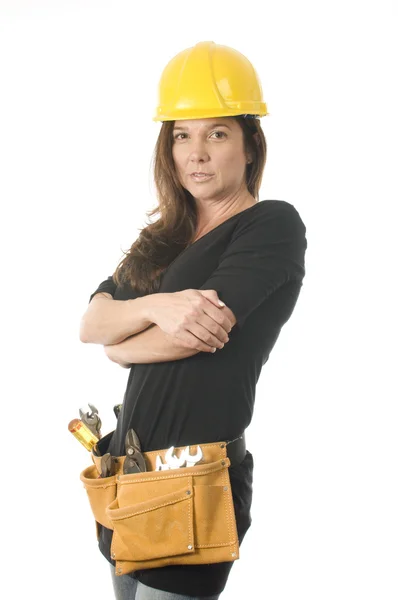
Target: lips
200 178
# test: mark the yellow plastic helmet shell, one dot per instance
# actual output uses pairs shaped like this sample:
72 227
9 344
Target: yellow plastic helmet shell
209 80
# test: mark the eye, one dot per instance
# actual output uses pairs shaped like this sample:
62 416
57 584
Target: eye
222 133
219 131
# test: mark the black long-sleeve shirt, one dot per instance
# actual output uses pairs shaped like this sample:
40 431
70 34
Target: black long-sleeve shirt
255 260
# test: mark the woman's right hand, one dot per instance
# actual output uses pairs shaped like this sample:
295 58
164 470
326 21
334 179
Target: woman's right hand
194 317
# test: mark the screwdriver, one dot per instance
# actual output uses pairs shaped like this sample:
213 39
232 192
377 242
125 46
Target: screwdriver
82 433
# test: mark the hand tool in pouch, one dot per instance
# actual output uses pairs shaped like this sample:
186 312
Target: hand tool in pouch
175 462
134 461
83 434
107 465
92 420
116 409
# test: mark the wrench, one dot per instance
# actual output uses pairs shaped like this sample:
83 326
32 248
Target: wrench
92 420
190 459
161 466
173 461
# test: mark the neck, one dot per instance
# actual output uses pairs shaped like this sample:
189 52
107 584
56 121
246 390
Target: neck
211 215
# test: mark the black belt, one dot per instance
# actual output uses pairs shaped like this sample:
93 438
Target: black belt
236 450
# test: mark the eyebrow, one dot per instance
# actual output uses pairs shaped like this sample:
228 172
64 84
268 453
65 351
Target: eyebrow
213 125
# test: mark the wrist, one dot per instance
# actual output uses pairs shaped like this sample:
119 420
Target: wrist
147 307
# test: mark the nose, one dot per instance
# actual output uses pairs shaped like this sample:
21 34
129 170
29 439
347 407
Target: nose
197 151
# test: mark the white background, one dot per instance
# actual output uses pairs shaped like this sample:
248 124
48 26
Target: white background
78 91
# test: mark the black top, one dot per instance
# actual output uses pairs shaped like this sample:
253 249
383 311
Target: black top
255 260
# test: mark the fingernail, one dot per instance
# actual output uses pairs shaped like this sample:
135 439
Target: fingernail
221 303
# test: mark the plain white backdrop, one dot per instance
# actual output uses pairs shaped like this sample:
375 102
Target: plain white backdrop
78 84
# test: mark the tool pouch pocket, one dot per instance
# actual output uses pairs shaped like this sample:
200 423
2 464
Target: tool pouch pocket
154 528
101 493
178 516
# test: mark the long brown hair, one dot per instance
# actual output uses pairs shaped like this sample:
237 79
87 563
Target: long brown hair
159 243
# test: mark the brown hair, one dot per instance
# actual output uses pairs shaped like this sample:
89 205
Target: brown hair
159 243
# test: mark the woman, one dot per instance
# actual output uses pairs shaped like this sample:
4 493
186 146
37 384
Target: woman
160 313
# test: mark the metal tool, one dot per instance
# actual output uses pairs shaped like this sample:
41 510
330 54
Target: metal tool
134 461
191 460
160 466
92 420
116 409
173 461
107 465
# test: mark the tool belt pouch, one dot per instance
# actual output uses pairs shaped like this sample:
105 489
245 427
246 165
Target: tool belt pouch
100 492
173 517
180 516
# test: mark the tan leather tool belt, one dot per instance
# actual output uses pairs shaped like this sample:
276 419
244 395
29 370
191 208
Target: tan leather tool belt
170 517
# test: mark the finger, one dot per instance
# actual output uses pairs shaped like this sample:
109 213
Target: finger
223 316
189 340
213 297
207 336
219 331
219 316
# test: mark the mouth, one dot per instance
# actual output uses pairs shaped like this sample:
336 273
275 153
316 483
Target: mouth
201 176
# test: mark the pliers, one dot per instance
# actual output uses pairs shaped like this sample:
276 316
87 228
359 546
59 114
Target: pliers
134 461
92 420
107 465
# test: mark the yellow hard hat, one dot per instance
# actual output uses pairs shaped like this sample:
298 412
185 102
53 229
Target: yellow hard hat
209 80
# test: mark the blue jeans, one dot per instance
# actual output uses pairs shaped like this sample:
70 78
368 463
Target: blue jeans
128 588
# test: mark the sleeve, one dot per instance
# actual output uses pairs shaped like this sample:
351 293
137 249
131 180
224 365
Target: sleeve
266 251
105 286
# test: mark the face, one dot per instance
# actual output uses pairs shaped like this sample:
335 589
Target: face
215 147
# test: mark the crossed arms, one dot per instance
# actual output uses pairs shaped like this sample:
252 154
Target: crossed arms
152 345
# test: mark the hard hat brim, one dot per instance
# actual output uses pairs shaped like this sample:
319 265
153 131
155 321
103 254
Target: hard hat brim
173 114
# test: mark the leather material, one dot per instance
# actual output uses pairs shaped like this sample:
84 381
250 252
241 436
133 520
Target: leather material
171 517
